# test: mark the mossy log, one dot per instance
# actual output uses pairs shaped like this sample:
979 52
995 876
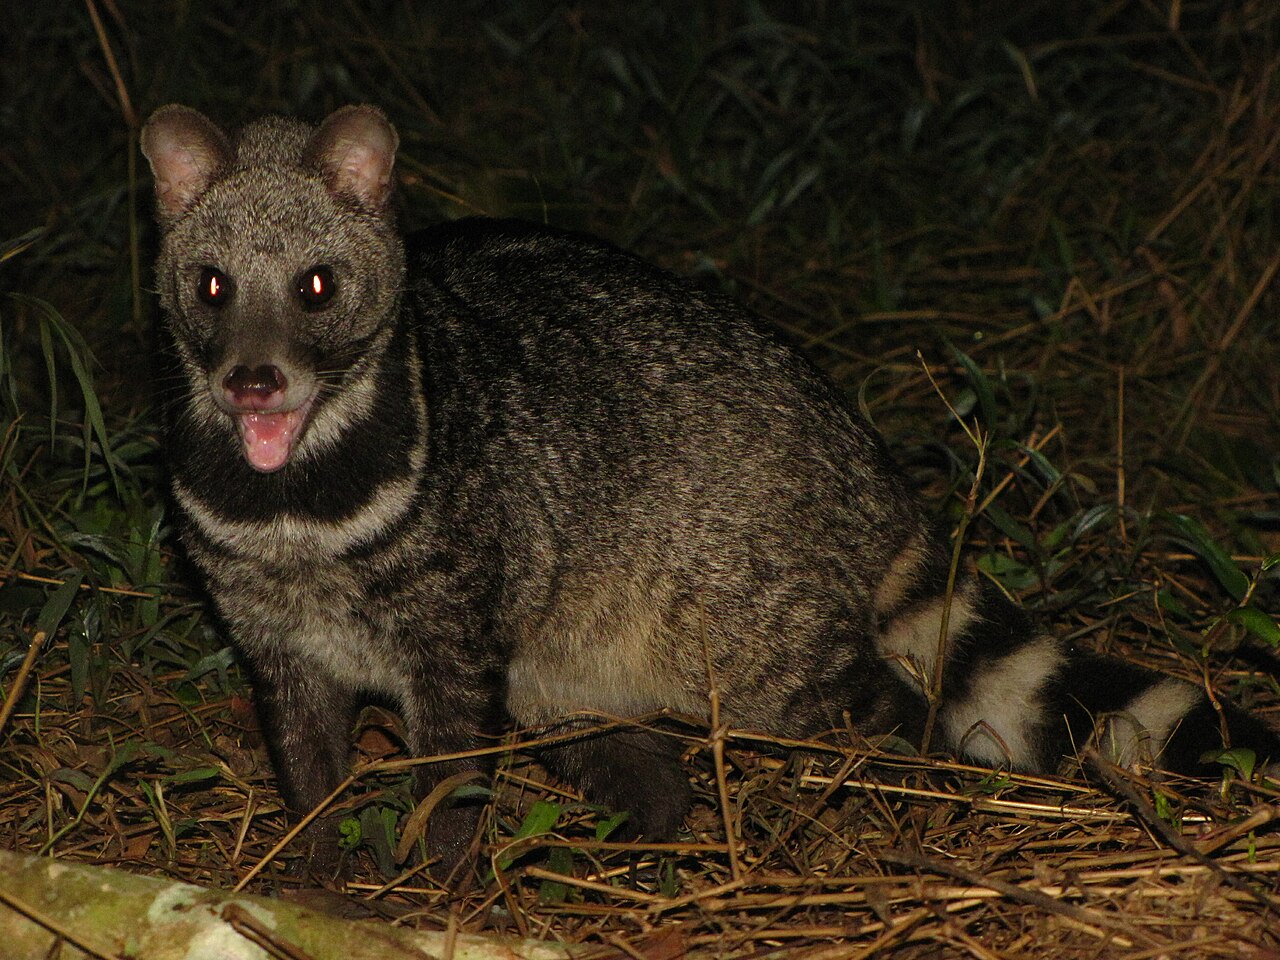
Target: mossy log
109 914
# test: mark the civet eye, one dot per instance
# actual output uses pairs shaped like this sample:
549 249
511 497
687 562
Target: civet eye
316 287
215 287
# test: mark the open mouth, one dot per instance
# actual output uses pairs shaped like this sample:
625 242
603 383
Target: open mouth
269 438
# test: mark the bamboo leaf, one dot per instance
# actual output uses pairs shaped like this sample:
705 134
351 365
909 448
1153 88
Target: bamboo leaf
1261 625
981 386
1197 539
55 608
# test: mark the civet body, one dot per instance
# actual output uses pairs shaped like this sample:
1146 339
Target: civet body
493 470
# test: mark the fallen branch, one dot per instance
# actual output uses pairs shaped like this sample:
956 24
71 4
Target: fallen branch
108 914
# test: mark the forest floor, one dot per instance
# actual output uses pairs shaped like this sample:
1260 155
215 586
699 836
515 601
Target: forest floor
1035 241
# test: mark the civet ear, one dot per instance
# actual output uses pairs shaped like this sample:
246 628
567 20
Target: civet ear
186 151
355 151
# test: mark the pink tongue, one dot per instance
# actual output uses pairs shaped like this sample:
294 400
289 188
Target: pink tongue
268 438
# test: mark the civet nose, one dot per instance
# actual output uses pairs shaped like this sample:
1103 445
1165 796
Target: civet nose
251 387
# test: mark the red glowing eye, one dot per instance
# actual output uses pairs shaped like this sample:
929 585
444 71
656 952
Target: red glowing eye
214 288
316 287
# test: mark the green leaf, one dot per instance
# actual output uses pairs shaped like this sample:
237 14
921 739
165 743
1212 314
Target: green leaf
1009 572
611 823
1261 625
1198 540
349 833
1241 759
897 745
993 783
77 352
157 634
75 778
542 816
1047 470
669 883
10 658
964 402
1055 537
51 370
1165 809
129 751
472 791
378 831
1171 604
559 860
1010 527
78 649
56 606
221 661
981 386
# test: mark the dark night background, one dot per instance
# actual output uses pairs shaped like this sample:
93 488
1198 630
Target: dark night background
1068 209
